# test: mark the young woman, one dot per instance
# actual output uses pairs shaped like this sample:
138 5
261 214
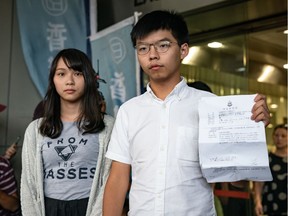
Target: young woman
271 197
64 169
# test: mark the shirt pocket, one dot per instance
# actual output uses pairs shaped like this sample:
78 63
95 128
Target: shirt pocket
187 143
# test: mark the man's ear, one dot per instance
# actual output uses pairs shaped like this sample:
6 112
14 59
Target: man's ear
184 49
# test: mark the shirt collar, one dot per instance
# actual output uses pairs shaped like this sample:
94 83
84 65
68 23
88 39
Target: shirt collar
178 90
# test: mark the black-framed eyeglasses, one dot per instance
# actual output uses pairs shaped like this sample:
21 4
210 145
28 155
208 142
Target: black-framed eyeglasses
160 46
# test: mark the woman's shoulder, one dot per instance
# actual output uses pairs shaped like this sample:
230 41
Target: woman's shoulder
108 119
34 124
32 130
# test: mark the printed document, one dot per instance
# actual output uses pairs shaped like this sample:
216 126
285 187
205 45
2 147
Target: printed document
232 147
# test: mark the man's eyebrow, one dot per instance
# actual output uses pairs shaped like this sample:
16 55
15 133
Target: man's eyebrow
163 39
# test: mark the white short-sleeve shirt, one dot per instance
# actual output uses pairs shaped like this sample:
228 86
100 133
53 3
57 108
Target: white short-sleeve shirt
160 141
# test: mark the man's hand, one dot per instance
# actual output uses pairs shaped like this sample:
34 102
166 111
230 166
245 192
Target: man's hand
260 111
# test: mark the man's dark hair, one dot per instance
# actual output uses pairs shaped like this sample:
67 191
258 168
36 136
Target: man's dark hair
161 20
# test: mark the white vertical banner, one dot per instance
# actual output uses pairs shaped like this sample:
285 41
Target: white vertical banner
93 16
113 56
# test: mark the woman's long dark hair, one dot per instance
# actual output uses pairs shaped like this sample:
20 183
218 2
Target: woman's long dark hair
90 119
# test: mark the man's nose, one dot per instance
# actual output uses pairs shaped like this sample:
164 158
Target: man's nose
153 54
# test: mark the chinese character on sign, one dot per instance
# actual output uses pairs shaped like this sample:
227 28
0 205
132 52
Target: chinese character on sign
56 36
50 59
118 90
55 7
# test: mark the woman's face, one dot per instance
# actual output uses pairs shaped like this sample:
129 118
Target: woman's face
280 138
69 84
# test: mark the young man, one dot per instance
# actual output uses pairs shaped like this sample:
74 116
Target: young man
156 134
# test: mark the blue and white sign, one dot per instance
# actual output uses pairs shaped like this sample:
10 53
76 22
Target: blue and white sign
46 27
114 55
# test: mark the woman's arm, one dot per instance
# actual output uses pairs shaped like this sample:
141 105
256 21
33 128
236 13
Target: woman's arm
258 186
28 190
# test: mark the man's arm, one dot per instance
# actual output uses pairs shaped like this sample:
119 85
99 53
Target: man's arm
116 188
9 202
260 111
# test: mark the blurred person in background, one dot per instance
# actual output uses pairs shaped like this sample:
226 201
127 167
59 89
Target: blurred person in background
270 198
10 151
9 199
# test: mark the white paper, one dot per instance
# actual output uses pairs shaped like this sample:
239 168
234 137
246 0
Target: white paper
232 147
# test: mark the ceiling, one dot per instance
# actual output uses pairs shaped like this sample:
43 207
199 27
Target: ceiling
252 34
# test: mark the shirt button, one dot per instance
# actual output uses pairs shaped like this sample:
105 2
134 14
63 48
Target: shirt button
163 126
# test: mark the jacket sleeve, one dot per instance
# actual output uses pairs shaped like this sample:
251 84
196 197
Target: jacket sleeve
99 200
105 170
30 199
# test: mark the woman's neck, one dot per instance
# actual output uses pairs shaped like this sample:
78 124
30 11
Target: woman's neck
281 152
70 112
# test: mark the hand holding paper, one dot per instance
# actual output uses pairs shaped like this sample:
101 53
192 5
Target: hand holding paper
232 147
